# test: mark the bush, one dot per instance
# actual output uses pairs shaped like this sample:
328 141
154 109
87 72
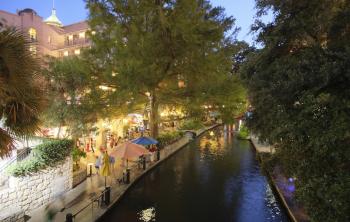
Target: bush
243 133
191 124
49 153
167 138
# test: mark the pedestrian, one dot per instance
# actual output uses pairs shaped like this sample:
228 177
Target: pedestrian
97 164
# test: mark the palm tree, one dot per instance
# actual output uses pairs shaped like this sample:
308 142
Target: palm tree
21 98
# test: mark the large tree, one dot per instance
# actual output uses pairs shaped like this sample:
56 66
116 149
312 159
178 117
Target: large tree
73 101
161 52
299 89
21 98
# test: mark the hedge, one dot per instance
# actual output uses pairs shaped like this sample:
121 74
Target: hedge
191 124
49 153
167 138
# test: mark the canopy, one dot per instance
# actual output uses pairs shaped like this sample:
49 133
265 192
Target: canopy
144 140
129 150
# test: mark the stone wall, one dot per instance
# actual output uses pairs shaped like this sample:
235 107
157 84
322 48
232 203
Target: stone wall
79 176
32 191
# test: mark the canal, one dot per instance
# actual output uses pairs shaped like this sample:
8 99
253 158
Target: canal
215 178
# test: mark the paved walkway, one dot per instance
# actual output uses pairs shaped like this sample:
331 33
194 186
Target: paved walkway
78 201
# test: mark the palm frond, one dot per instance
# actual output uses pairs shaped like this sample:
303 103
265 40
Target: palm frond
21 97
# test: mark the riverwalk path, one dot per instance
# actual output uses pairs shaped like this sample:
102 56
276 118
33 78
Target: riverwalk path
84 201
285 187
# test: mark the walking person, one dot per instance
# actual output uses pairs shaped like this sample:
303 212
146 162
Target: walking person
97 164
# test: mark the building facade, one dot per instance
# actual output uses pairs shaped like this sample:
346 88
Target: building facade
49 36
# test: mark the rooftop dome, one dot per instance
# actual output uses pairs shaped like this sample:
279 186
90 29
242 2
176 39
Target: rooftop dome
53 20
27 10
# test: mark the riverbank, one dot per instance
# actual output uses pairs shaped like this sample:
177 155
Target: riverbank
283 187
84 202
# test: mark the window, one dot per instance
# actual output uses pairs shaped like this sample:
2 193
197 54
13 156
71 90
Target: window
77 51
82 35
32 49
32 34
65 53
75 39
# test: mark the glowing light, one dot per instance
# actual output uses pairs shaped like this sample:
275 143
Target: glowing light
211 133
82 35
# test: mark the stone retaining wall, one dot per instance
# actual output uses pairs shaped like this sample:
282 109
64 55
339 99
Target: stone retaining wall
32 191
79 176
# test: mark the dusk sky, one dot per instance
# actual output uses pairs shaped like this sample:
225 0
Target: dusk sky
70 11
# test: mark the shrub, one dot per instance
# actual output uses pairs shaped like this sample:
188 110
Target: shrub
25 167
167 138
49 153
53 151
191 124
243 133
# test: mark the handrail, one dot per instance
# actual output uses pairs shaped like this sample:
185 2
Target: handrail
14 158
91 203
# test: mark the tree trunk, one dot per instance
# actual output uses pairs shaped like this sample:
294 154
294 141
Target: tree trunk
154 119
59 131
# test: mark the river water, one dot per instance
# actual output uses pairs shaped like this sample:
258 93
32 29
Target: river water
215 178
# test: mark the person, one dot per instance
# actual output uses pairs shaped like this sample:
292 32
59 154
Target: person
97 164
112 142
58 205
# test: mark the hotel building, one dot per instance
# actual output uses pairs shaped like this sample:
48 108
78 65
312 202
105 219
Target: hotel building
49 36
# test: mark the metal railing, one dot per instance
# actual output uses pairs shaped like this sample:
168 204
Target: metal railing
20 155
103 199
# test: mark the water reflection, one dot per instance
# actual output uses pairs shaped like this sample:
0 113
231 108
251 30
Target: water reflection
147 214
215 178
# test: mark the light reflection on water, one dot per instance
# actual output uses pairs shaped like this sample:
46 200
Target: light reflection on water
215 178
147 215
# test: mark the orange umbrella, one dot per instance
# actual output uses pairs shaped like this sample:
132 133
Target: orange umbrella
129 150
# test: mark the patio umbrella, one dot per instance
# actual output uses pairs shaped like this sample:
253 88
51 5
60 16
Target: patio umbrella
105 171
129 150
145 141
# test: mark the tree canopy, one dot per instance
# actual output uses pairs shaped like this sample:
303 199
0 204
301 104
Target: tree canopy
299 88
162 52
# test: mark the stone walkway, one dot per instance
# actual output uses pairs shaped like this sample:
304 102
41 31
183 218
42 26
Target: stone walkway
78 201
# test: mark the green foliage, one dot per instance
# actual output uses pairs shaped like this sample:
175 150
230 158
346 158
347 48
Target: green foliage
149 46
167 138
47 154
243 133
299 90
191 124
21 96
72 99
77 154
